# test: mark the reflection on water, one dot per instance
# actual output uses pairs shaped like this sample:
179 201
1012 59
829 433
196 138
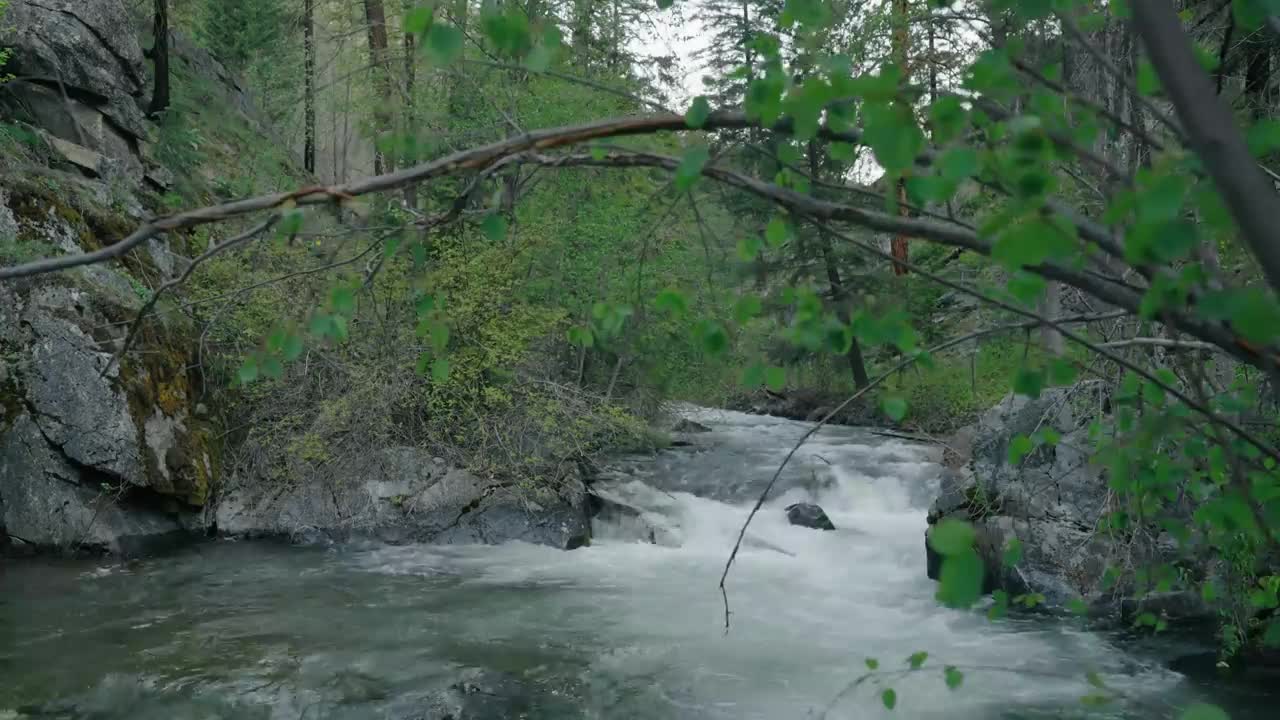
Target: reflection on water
622 629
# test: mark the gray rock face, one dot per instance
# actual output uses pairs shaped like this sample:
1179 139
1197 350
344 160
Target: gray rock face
89 49
78 409
810 516
1051 502
400 495
90 462
46 503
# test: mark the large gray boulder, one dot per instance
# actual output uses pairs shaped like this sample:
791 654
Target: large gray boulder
403 495
80 73
1052 502
46 503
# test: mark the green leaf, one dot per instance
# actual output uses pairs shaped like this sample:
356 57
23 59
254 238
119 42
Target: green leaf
340 328
1000 607
691 165
1027 287
749 248
916 661
440 370
1257 317
958 163
509 32
889 698
321 325
713 337
952 537
747 307
1095 680
1148 81
581 337
672 301
960 583
291 222
272 368
895 408
248 371
1271 637
1020 447
777 232
342 300
494 227
873 664
292 347
698 112
1029 243
417 20
1204 711
892 134
1028 382
1264 137
813 13
775 378
439 336
444 43
1078 606
953 677
1062 372
947 119
1012 552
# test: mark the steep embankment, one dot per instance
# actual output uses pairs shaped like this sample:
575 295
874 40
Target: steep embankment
123 452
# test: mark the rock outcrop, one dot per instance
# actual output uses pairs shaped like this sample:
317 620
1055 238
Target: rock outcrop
1049 507
79 74
95 454
402 495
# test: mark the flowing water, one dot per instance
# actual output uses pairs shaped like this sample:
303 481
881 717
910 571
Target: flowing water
624 628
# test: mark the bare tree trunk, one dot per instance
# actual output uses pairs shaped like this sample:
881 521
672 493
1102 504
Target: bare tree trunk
857 365
410 104
160 55
309 81
901 55
1051 307
376 17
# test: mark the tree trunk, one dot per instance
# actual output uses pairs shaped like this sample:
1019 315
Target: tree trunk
901 56
375 15
410 106
309 82
857 366
160 55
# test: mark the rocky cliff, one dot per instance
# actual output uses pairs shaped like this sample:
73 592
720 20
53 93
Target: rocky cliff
1041 520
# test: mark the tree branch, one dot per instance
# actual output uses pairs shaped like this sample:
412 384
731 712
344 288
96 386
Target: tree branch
1212 132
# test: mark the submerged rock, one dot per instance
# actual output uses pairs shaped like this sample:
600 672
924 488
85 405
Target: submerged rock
689 426
810 516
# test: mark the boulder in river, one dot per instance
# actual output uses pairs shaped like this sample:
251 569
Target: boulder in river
810 516
688 426
398 495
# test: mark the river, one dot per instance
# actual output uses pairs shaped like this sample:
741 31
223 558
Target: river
624 628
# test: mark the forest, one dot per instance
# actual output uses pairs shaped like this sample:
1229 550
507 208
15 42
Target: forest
514 234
